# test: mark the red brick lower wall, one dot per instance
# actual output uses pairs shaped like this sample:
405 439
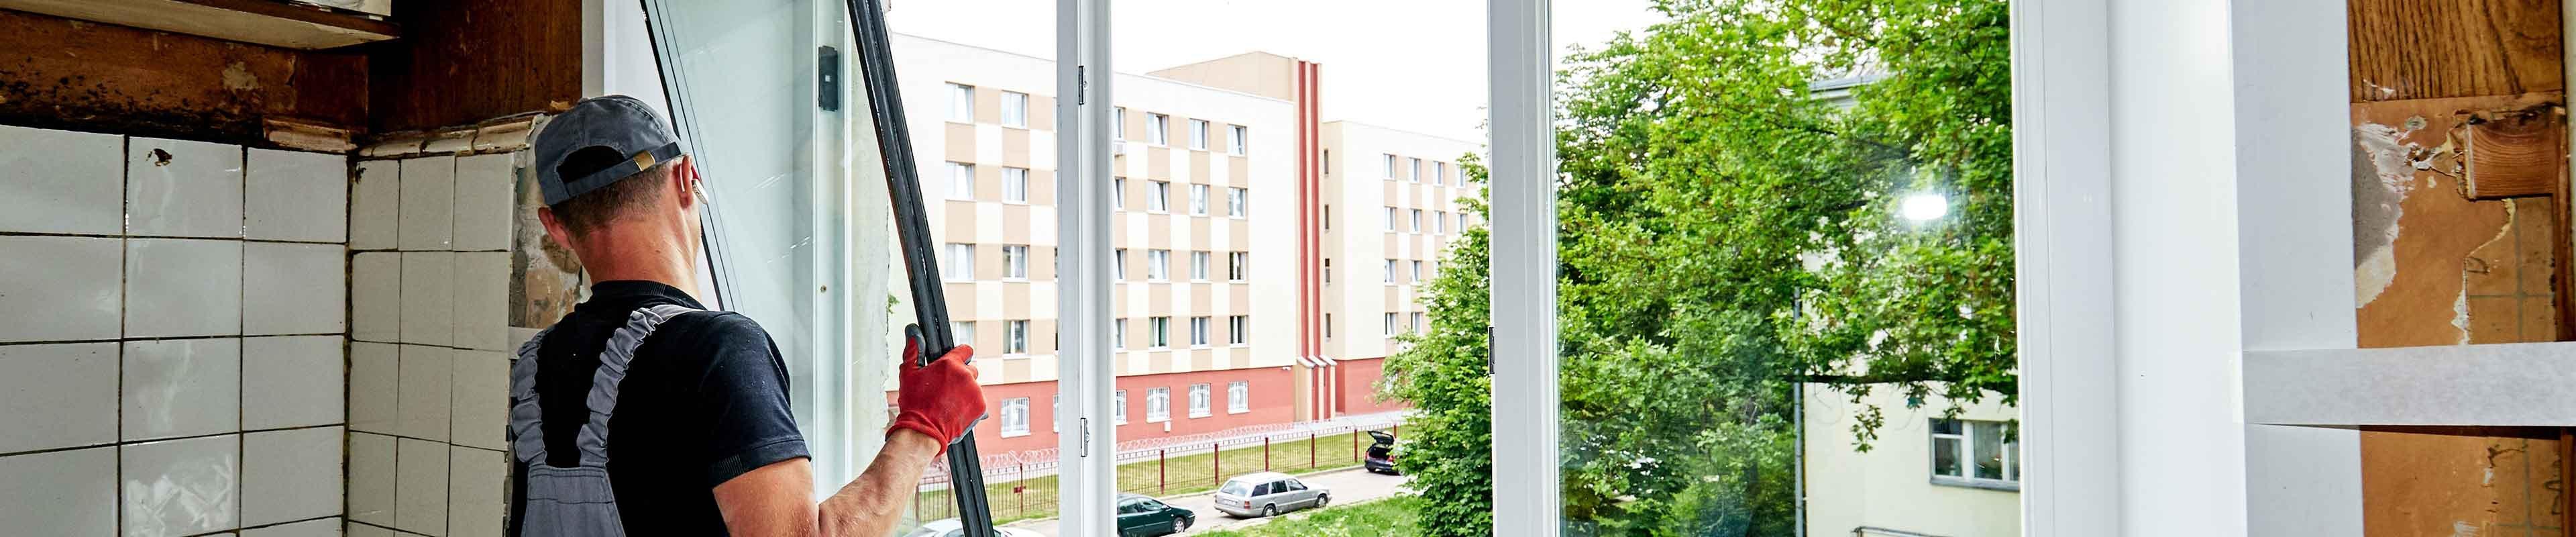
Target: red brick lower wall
1358 383
1272 398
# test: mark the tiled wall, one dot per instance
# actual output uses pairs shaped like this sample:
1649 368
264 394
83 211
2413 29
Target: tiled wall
429 345
171 337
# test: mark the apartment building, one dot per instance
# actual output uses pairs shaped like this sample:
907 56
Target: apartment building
1925 473
1391 209
1204 217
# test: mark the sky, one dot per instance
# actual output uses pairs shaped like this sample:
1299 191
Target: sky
1415 65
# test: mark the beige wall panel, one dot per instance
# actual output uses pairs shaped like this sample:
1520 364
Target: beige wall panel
1015 301
1199 170
1200 360
1202 302
960 145
1015 147
961 301
1015 370
1158 163
1158 302
959 218
988 182
1160 362
1041 112
1199 241
988 105
1042 187
1238 172
1015 225
1158 234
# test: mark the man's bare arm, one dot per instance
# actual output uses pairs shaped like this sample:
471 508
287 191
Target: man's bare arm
870 505
774 500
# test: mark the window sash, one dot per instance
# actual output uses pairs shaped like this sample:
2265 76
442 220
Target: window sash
1157 129
957 262
1015 184
1015 261
961 181
1198 331
1236 140
1015 337
1234 265
1235 202
1198 200
1157 265
1015 109
1238 397
1198 134
961 103
1161 332
1198 400
1158 404
1236 328
1015 416
1118 407
1158 196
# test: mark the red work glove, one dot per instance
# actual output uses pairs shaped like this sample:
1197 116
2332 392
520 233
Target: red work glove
941 399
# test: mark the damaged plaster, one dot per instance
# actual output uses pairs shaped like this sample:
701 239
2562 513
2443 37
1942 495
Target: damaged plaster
2383 173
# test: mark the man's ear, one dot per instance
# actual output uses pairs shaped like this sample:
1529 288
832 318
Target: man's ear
555 228
684 182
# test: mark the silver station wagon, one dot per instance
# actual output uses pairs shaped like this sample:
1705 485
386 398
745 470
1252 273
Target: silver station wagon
1268 493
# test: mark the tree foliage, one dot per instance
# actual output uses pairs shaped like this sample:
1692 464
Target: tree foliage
1448 443
1725 232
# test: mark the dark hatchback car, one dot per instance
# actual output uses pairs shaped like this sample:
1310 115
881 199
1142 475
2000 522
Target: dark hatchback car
1139 516
1381 453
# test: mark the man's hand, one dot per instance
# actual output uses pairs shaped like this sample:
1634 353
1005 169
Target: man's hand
939 400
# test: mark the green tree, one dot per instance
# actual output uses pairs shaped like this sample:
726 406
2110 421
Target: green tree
1726 233
1447 444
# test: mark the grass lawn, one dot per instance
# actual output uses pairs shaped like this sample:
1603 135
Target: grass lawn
1391 516
1180 474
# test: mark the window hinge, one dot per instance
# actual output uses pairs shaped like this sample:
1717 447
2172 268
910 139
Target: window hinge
1084 426
827 77
1081 84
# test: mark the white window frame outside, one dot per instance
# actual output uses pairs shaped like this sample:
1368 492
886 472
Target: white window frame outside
1238 138
1390 219
1158 265
1118 407
1390 323
1015 109
1236 265
1015 338
1391 166
1199 400
1158 405
1199 266
1416 176
961 181
1238 397
1015 417
961 103
1390 272
1238 330
1965 442
1158 333
1199 331
1158 129
962 331
1117 334
1198 200
1118 193
1439 173
1015 262
1237 202
1417 270
1118 265
1199 134
1015 185
1416 322
957 262
1118 124
1417 220
1158 197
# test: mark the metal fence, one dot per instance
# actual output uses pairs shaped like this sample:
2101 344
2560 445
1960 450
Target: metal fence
1284 447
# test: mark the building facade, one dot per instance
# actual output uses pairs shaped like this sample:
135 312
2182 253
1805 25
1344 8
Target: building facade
1225 230
1926 475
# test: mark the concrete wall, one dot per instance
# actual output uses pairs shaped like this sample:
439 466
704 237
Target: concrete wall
171 336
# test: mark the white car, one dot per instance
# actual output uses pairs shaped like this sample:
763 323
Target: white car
950 527
1268 494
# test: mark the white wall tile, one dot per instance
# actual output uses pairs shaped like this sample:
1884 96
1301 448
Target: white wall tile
479 399
420 487
61 181
484 184
182 287
291 288
292 381
296 196
61 288
371 478
375 373
482 297
57 396
375 296
181 487
290 475
375 205
182 387
429 298
60 492
420 410
181 188
428 204
326 527
476 492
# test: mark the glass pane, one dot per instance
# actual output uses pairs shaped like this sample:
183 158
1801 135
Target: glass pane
1796 321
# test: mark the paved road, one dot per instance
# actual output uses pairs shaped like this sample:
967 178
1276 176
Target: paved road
1348 486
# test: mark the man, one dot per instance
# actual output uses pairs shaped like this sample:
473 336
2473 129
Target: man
642 413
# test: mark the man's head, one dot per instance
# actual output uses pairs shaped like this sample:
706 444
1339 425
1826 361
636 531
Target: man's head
619 190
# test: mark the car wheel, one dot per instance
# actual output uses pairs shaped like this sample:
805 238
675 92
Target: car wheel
1179 525
1270 510
1321 499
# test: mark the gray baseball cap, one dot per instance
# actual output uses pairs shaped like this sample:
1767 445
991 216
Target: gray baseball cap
599 141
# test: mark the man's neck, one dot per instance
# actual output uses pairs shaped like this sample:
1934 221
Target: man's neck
612 257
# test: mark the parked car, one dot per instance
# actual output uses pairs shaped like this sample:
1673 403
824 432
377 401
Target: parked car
1381 453
1139 516
950 527
1267 494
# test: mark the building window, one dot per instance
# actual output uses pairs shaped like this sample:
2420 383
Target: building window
1118 333
1235 264
1390 323
1198 200
1417 322
1118 407
962 332
1118 193
1198 331
1417 170
957 262
1158 404
1328 271
1015 337
1440 222
1118 123
1390 167
1328 327
1158 196
1015 184
1417 220
1328 217
1015 261
1238 329
1198 134
1390 271
1462 221
1158 265
1015 417
1118 264
1234 202
961 103
1238 397
1417 270
1157 129
1199 400
1390 219
1440 173
1235 142
961 181
1198 266
1975 453
1158 333
1015 109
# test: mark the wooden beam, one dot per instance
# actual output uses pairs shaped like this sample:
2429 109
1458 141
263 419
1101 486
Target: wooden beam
2513 153
263 22
61 73
2422 49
